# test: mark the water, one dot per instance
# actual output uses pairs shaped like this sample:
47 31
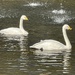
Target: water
46 18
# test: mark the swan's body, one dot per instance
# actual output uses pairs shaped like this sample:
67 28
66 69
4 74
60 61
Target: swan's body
14 30
53 44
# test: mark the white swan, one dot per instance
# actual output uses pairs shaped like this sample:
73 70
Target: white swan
14 30
53 44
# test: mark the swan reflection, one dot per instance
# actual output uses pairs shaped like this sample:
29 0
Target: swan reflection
53 61
29 63
66 62
13 43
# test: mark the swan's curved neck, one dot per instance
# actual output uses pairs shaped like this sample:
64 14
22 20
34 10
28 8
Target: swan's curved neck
21 24
68 44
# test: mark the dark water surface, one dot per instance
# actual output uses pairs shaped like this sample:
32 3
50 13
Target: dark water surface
46 18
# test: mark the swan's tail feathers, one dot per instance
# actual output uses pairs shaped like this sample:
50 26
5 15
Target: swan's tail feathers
32 47
41 40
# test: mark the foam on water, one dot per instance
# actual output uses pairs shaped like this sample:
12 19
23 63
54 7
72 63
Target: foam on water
50 16
33 4
61 11
60 19
60 16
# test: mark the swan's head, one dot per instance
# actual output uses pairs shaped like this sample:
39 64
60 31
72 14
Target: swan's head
24 17
67 27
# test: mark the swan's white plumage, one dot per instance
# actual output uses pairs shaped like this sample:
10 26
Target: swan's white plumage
48 44
14 30
53 44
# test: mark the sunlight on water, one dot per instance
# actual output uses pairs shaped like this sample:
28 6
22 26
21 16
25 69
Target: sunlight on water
34 4
61 11
45 12
60 16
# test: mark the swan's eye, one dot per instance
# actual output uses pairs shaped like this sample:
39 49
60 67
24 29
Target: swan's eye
69 28
25 18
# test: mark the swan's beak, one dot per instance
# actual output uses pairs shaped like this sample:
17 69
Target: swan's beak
70 28
26 18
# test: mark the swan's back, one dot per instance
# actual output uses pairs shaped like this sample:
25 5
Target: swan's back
12 31
48 45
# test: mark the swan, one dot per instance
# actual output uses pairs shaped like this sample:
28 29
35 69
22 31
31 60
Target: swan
53 44
14 30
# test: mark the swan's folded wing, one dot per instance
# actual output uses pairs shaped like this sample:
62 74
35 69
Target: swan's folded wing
48 45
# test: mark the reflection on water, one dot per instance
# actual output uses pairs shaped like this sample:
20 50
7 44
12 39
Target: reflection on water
26 63
13 43
66 66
